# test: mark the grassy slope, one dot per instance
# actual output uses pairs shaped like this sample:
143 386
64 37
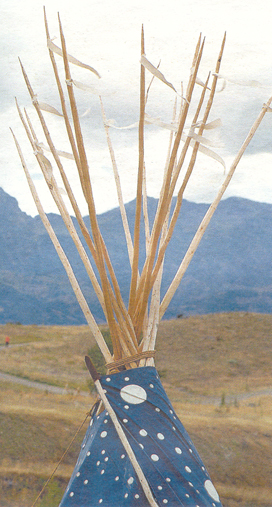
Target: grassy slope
198 358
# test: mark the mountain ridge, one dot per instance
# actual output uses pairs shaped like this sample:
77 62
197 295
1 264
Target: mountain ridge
231 270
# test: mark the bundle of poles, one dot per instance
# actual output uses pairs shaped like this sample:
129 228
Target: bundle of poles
133 327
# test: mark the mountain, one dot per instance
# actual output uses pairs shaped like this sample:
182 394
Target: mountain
231 270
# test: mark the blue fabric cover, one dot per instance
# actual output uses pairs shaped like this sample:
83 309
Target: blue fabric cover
104 476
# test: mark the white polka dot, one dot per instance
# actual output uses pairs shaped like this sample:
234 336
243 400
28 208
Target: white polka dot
105 391
86 482
157 409
103 451
126 379
117 478
126 407
83 446
122 456
101 500
178 450
165 500
167 479
160 488
126 495
190 450
98 463
108 379
137 496
211 490
91 423
151 385
155 457
130 480
133 394
106 420
102 472
171 411
125 420
78 474
190 484
107 413
160 436
88 453
143 433
174 428
106 459
188 469
188 496
103 434
72 493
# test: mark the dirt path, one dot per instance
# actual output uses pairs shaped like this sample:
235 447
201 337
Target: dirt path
39 385
211 400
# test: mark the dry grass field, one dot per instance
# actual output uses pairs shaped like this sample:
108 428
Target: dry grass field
215 368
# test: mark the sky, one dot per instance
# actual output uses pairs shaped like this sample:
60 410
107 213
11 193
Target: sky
106 35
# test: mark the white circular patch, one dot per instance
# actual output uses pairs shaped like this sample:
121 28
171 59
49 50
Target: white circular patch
160 436
72 493
143 433
155 457
211 490
133 393
88 453
86 482
178 450
103 434
130 480
188 469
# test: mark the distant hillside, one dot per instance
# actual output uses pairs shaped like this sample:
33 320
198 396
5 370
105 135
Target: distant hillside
231 270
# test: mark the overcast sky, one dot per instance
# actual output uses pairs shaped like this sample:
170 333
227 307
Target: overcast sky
106 35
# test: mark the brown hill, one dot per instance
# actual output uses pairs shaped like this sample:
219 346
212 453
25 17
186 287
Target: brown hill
215 368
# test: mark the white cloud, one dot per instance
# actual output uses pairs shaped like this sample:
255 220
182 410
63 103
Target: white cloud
106 34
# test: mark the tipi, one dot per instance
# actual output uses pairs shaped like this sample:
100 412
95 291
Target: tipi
136 452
